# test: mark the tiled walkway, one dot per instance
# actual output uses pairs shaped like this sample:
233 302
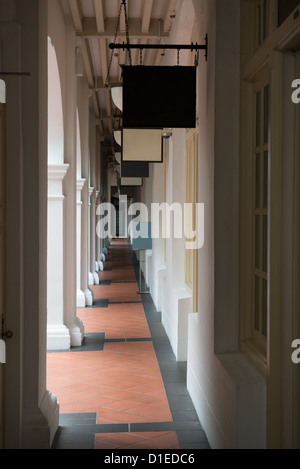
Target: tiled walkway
122 389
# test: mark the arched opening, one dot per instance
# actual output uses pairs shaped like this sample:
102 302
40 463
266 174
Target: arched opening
55 110
58 336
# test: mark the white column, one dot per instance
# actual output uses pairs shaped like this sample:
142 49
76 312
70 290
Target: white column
100 240
93 237
91 268
80 296
58 336
89 298
97 240
32 411
75 325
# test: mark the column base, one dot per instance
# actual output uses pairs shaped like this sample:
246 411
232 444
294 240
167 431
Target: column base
58 337
96 278
89 297
80 299
76 333
91 278
101 266
40 424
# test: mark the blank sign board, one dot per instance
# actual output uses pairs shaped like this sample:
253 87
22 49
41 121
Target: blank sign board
142 145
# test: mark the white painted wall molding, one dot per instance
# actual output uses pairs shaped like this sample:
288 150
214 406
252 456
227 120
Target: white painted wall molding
177 304
79 186
91 192
57 171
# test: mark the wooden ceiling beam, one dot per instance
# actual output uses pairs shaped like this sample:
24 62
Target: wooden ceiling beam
77 15
87 61
100 15
146 16
135 29
170 11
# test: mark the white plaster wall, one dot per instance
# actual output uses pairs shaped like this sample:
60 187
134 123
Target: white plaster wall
224 386
175 299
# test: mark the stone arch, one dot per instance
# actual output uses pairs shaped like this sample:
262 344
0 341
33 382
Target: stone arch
78 146
55 110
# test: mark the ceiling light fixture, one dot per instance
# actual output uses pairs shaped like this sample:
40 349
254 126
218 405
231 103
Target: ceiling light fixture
117 96
116 89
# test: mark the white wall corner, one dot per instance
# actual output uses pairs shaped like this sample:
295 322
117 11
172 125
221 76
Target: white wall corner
176 306
182 301
148 267
156 286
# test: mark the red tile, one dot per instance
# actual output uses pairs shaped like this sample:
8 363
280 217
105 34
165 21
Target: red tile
122 383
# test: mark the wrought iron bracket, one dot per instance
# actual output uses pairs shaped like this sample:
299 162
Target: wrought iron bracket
192 47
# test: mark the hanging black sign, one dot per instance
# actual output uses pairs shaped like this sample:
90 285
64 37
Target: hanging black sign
134 169
157 97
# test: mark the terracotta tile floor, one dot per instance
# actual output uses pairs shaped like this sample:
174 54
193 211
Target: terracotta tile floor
122 383
111 395
117 292
118 275
111 320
